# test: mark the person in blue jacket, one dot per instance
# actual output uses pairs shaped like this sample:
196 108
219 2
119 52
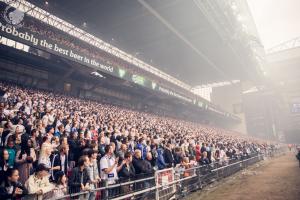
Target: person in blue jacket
160 161
142 147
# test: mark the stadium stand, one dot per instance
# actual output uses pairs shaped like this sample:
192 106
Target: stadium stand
57 132
66 133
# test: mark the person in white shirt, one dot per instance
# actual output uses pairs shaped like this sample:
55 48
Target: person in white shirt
108 169
108 166
51 117
38 184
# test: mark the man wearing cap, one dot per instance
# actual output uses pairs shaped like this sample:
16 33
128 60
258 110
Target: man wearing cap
38 184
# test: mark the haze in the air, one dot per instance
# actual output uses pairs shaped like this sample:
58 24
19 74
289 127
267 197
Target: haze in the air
277 21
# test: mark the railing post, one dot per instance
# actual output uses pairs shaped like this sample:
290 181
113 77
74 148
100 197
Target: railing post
105 192
198 173
156 185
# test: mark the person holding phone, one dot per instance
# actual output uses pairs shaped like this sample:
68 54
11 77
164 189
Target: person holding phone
24 159
11 188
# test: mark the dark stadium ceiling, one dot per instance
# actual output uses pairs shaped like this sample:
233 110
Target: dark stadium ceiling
128 25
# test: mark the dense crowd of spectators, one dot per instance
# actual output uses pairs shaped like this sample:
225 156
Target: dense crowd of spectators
55 144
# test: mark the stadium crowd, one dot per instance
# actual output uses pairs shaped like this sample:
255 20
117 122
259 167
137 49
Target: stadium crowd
56 144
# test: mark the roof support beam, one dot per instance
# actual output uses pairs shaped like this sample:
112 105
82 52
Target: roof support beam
182 37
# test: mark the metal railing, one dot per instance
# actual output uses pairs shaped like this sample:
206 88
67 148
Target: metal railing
174 183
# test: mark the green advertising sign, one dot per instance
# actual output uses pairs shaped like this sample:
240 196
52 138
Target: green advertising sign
138 79
122 73
153 84
31 38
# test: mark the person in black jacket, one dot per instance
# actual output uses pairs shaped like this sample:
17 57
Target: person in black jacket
138 162
127 170
62 160
150 159
74 148
168 156
298 155
204 159
6 131
203 148
79 180
4 166
11 188
142 168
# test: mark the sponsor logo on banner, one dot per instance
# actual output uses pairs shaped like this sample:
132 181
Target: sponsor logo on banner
138 79
122 73
153 85
206 106
200 104
97 74
13 16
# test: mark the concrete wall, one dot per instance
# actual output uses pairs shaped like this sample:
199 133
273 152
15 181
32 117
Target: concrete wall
229 98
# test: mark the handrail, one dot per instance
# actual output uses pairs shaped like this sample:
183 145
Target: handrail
258 157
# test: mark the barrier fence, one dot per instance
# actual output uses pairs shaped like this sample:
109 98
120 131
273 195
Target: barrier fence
173 183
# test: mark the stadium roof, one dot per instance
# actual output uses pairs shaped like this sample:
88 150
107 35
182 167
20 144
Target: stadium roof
173 35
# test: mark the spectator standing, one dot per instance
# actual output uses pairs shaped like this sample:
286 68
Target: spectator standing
60 188
298 155
24 159
142 147
80 180
11 189
204 159
160 161
198 153
4 166
168 156
12 153
127 170
138 162
108 166
93 172
108 170
60 161
38 184
150 159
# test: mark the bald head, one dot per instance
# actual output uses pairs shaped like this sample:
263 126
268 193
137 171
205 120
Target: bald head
149 156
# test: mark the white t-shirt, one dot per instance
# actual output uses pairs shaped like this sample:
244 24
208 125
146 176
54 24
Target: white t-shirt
105 163
62 159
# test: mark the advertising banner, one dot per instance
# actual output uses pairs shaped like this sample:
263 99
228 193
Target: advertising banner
15 24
